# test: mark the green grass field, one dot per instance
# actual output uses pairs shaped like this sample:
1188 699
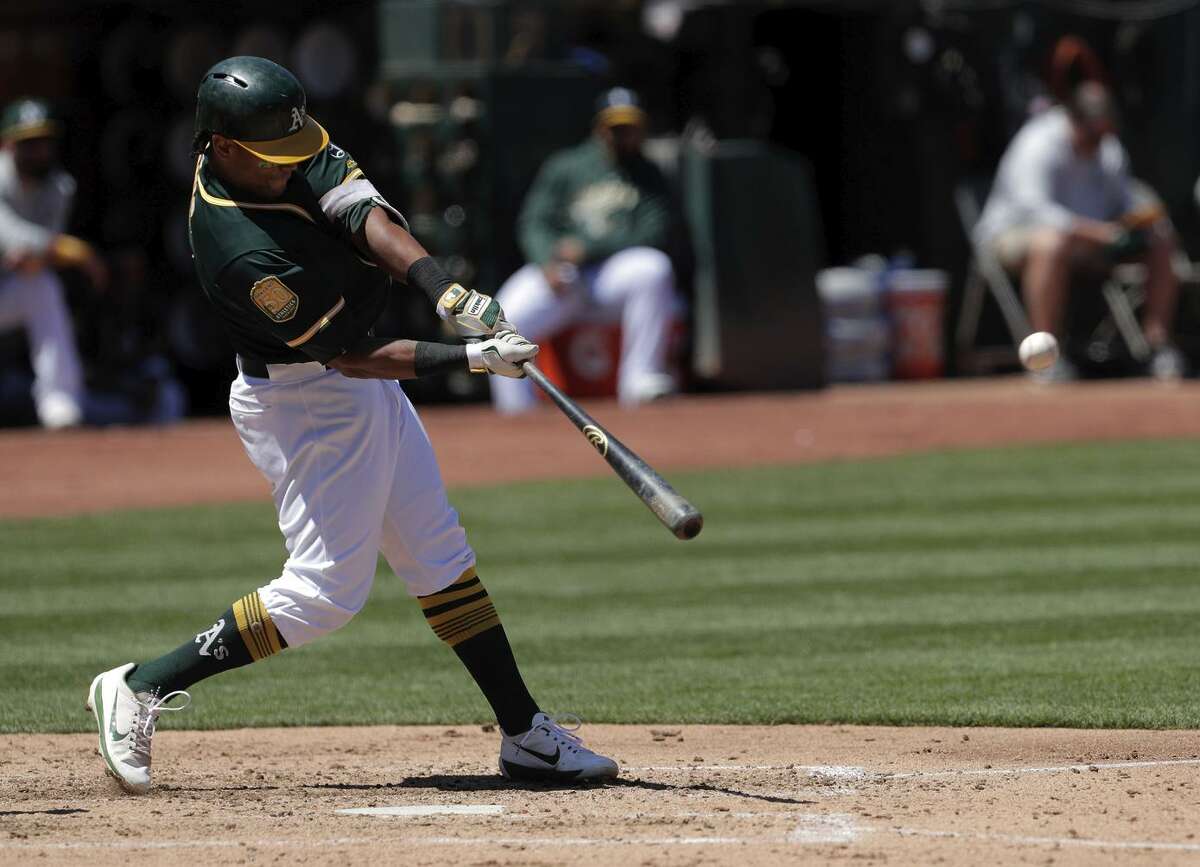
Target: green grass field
1047 586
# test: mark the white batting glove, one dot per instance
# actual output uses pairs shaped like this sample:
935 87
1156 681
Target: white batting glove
502 354
473 314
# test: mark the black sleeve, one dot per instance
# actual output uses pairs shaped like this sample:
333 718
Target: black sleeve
292 301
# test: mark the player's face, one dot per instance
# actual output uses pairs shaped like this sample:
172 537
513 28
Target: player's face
1089 134
247 172
35 157
624 140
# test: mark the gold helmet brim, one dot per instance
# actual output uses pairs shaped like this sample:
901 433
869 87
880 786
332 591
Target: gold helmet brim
304 144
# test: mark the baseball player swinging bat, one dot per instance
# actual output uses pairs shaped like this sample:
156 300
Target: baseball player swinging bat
676 513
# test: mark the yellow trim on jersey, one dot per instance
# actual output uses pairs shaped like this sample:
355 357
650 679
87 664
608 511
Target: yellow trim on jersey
230 203
357 173
318 325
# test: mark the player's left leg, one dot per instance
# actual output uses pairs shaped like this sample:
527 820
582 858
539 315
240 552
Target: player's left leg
327 445
1162 299
641 283
427 547
127 700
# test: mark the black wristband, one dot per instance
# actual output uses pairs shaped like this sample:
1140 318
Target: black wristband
433 358
428 276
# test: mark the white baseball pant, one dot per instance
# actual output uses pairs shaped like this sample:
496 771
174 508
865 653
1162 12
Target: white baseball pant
635 287
36 302
353 474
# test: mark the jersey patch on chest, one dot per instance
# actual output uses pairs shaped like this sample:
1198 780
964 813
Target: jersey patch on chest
274 298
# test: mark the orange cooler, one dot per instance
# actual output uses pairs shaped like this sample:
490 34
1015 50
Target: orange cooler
916 301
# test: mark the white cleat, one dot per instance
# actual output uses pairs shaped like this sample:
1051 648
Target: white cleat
551 752
126 722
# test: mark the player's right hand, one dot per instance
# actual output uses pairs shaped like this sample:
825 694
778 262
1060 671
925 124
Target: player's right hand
473 314
502 354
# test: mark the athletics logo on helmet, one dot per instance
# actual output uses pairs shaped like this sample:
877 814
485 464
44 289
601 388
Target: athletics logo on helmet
262 107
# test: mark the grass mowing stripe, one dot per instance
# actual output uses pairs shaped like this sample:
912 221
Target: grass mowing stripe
1039 586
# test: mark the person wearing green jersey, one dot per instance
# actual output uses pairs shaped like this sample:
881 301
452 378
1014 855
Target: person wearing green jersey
297 250
593 228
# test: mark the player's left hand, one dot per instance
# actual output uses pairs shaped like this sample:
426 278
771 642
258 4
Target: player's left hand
473 314
503 354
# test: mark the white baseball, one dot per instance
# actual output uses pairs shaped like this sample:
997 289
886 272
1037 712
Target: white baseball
1038 351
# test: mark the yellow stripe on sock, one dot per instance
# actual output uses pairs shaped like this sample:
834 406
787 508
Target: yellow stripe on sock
483 626
466 617
268 626
451 591
254 624
459 623
458 611
449 595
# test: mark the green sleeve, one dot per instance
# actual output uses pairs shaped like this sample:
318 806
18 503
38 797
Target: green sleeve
337 181
540 224
291 301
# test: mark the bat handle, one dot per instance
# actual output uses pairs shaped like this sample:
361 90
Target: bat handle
535 373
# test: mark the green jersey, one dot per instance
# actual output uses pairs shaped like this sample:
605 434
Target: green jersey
607 206
285 275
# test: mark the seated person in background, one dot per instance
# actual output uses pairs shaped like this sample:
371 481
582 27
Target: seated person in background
593 229
1062 204
35 201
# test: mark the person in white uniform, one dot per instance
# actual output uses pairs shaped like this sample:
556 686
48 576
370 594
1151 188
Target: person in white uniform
594 227
296 249
36 196
1063 203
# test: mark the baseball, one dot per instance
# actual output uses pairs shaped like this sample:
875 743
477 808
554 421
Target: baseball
1038 351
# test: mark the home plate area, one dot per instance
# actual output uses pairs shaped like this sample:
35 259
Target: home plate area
688 795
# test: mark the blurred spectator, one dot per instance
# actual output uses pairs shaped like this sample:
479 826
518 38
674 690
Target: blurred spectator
593 229
35 201
1063 205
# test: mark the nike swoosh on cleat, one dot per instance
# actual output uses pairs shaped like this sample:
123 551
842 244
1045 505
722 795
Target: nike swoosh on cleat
550 760
98 709
116 735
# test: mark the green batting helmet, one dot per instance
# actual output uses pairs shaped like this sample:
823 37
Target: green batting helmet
262 107
28 118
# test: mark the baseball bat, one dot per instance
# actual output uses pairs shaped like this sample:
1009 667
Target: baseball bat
676 513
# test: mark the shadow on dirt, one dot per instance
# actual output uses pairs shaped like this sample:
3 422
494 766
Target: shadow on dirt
56 811
496 783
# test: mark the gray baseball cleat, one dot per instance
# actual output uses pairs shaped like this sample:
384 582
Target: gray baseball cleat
551 752
126 722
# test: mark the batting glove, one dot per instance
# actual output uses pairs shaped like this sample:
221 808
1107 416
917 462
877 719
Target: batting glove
472 313
503 354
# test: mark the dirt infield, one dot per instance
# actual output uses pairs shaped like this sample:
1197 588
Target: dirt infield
689 795
203 462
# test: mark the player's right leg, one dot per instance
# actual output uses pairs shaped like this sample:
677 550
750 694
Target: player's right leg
427 547
538 313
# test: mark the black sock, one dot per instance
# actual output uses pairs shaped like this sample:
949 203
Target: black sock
463 616
243 634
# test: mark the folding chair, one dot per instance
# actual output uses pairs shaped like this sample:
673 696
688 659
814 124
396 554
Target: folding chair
985 274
